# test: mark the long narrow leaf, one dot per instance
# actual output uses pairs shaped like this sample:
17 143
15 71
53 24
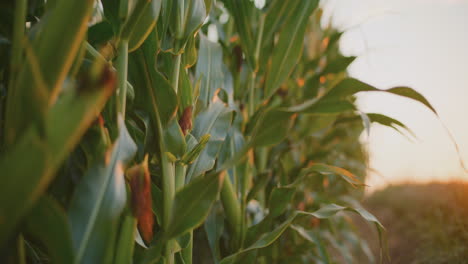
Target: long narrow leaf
51 56
98 203
286 53
153 92
66 123
192 204
48 223
214 121
323 213
351 86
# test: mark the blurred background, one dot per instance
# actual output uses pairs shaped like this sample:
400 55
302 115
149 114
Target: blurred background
421 44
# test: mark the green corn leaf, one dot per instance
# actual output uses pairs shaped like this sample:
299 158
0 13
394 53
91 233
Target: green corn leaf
198 13
388 121
382 120
187 16
66 123
174 139
233 144
153 254
215 121
138 126
338 64
166 9
322 106
235 140
192 204
131 19
157 196
190 54
185 94
331 107
317 123
48 60
153 91
48 223
232 209
144 25
264 241
314 238
280 198
351 86
267 126
355 242
184 240
195 150
324 212
186 246
259 184
335 101
126 241
209 69
333 39
339 246
98 202
214 227
327 170
275 17
288 50
271 128
240 11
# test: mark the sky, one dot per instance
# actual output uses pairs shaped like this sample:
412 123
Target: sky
418 43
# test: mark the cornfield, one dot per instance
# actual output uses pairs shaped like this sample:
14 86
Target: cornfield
180 131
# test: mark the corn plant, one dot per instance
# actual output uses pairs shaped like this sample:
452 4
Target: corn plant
187 131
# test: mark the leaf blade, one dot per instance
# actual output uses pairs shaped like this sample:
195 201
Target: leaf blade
98 202
192 204
289 47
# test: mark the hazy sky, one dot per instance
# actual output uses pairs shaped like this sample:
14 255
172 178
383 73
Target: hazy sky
418 43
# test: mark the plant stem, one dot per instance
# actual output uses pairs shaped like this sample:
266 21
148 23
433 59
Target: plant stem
262 159
251 111
253 75
176 72
169 184
188 251
122 69
16 47
180 171
259 39
125 244
180 19
21 251
244 192
251 108
16 52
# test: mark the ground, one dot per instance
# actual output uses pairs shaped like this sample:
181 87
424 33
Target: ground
426 223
